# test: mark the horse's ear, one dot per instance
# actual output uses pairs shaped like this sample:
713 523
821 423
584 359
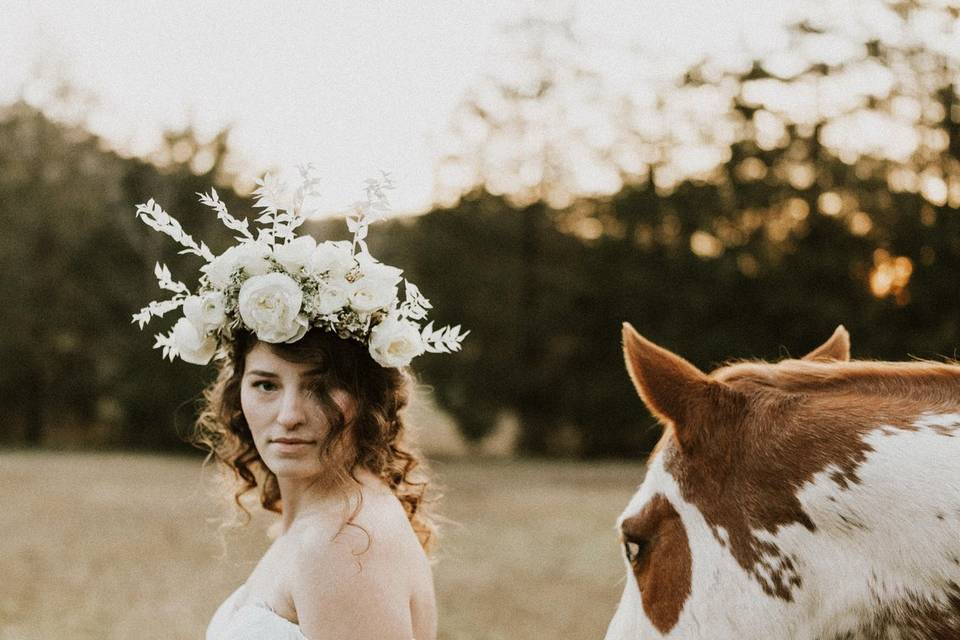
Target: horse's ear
675 391
836 348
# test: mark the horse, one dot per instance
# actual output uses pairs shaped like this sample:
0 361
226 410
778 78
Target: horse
807 499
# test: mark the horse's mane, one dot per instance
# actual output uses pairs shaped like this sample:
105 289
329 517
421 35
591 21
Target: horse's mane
865 375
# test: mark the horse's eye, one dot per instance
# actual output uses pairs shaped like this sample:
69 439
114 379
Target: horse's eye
632 547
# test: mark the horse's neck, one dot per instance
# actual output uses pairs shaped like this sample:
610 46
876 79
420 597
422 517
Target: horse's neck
895 529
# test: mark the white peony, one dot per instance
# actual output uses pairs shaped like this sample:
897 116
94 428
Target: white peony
251 256
205 312
332 296
192 344
270 307
294 256
332 258
394 342
376 288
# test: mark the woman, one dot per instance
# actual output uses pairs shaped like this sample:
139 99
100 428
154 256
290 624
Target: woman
320 419
312 343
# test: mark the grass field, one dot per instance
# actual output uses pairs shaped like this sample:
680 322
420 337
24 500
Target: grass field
110 546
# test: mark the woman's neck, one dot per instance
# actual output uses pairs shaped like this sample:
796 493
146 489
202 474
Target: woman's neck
322 496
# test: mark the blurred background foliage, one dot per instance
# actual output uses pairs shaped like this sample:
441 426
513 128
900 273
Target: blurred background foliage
757 203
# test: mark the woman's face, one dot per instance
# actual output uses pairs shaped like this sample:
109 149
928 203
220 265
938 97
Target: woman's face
285 417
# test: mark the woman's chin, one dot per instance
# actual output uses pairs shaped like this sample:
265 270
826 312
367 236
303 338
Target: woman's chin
286 466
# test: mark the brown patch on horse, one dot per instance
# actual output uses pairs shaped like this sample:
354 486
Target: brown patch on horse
937 621
792 420
662 564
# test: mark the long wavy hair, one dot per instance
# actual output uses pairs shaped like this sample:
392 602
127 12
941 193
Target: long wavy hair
374 439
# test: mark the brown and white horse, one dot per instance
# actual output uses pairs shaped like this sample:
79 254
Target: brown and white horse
812 499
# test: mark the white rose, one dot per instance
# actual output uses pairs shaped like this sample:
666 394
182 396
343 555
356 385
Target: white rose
295 255
394 343
332 296
252 256
376 288
333 258
270 307
205 312
192 344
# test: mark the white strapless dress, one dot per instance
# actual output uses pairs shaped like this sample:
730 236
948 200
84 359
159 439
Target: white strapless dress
250 622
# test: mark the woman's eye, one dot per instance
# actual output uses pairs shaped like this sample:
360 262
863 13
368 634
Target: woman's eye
264 385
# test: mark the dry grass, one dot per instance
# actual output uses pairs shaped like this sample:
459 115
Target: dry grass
126 546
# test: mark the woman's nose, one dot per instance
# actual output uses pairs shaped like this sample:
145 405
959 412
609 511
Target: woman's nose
292 409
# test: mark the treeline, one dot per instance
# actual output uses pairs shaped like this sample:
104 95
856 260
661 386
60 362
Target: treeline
823 211
761 256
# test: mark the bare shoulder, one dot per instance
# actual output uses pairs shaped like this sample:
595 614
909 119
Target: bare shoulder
377 530
362 578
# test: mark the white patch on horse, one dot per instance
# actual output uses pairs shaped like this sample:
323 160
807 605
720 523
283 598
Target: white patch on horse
944 424
723 536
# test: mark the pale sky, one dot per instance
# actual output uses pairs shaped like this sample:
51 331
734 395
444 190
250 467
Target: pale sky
353 87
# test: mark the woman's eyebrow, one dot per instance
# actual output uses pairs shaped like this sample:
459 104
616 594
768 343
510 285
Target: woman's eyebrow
269 374
265 374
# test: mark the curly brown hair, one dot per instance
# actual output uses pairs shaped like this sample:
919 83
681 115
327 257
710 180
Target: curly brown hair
375 438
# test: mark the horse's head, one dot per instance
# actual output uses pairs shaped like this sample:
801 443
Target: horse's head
743 501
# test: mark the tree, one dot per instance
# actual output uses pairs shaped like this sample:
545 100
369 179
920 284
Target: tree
74 266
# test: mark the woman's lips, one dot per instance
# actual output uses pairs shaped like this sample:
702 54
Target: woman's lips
290 445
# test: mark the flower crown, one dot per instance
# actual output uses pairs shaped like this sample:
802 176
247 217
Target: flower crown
278 285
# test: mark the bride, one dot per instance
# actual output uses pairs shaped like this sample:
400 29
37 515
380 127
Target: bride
320 418
312 343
